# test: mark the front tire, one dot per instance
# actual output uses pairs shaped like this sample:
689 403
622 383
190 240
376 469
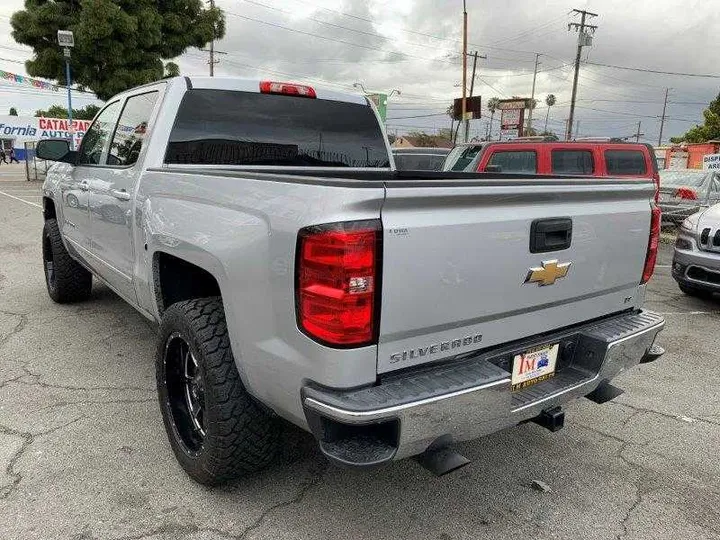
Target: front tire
67 281
217 431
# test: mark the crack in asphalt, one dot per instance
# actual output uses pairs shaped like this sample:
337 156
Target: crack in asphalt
316 475
664 414
314 480
28 438
43 384
18 327
95 402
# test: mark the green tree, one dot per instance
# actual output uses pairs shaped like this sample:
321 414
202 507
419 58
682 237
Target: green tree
492 106
171 70
58 111
550 100
708 131
13 111
118 43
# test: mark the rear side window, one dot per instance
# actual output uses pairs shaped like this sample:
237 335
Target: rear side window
130 132
515 161
226 127
572 161
621 162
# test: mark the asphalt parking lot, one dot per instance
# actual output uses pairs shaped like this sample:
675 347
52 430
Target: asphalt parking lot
84 454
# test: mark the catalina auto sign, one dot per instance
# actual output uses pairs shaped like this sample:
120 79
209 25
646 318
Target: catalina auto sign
15 131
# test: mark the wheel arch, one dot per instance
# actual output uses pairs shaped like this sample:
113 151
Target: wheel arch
177 278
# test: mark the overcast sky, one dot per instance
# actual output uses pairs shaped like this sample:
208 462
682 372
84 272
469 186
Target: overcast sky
414 46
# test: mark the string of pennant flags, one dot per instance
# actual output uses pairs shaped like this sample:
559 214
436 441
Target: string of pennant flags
27 81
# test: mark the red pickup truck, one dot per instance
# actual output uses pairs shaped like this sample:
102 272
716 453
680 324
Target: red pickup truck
592 158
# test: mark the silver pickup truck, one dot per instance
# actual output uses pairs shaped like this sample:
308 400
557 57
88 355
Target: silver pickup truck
295 274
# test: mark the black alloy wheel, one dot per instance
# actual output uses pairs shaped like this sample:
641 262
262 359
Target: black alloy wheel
185 393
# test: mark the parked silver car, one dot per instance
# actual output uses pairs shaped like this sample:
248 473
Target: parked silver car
696 262
684 192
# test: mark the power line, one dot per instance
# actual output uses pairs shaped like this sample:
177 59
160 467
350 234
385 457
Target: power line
439 38
339 26
643 70
320 36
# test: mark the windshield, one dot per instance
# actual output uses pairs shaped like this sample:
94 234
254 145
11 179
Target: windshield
227 127
679 178
460 157
419 162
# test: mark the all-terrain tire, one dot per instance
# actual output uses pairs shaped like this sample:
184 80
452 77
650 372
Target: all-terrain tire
240 435
67 281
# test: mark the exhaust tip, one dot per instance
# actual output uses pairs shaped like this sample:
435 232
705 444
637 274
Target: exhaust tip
441 459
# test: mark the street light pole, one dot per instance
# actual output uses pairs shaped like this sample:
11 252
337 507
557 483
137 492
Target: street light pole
66 40
67 82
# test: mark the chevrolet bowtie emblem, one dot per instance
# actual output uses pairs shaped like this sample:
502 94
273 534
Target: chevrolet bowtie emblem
548 273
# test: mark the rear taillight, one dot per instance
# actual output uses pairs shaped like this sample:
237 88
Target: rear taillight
652 249
337 282
685 193
656 179
287 89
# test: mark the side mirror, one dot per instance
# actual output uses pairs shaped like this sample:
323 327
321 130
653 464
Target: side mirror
55 150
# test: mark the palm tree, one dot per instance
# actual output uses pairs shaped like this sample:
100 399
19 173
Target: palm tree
492 106
549 101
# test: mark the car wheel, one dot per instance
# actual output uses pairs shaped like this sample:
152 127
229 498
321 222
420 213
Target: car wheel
694 291
217 431
66 280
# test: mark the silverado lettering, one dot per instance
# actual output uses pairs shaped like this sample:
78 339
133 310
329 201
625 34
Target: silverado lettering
435 348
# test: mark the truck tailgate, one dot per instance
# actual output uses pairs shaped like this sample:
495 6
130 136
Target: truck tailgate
457 259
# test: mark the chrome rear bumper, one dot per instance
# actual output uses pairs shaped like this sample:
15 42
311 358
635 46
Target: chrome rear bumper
404 414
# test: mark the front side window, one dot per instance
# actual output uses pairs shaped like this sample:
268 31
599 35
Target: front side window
625 162
97 136
515 161
572 161
131 129
462 156
226 127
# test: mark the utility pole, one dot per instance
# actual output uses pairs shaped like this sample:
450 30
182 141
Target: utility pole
584 32
662 119
464 64
638 134
212 50
532 94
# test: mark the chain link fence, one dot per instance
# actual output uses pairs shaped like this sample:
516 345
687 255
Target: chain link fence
35 169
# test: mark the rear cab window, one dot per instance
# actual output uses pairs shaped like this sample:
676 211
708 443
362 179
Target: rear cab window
230 127
625 163
419 162
571 161
514 161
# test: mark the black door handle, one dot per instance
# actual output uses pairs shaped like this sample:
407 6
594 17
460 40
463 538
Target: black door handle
553 234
